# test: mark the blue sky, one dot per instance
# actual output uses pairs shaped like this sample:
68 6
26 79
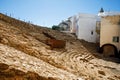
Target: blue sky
52 12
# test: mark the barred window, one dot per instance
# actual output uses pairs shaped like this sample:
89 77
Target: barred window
115 39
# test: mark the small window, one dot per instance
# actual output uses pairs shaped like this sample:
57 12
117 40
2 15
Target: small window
115 39
91 32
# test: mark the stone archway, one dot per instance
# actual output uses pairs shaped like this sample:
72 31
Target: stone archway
109 50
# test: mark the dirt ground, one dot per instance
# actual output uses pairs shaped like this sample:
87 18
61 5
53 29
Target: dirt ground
8 73
22 46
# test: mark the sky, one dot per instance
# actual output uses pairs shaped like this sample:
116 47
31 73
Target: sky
51 12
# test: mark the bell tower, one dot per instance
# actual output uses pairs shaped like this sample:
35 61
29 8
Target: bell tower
101 10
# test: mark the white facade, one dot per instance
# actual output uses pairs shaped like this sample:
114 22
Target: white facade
84 25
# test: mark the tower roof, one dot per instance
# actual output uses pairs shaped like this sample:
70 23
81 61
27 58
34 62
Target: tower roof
101 10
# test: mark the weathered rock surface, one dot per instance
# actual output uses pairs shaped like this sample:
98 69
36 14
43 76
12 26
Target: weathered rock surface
8 73
22 46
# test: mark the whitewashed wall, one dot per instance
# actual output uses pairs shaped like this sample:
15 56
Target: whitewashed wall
86 25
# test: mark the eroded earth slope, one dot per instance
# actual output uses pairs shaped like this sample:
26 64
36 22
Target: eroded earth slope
22 47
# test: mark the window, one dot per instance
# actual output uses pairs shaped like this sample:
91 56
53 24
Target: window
91 32
115 39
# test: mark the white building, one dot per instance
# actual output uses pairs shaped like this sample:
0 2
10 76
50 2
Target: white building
84 26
